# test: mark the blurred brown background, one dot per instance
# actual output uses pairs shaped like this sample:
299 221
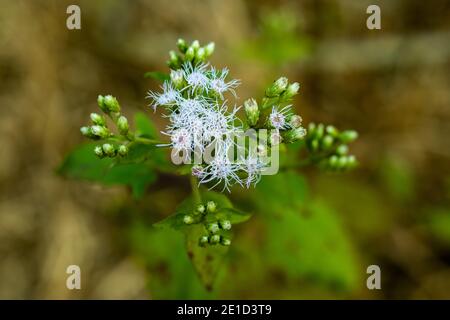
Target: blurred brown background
392 85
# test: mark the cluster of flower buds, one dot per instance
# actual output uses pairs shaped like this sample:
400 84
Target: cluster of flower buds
205 214
327 143
99 129
189 53
286 126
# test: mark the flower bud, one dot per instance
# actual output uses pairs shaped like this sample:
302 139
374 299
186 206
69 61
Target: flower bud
275 138
190 54
211 206
351 161
100 132
214 239
101 104
203 241
277 87
327 142
110 104
209 49
348 136
174 60
212 227
176 76
201 54
295 121
195 45
187 219
182 46
122 125
98 119
122 150
109 150
225 241
200 209
314 145
295 134
87 132
291 91
332 131
342 162
225 224
251 111
197 171
99 152
333 161
342 150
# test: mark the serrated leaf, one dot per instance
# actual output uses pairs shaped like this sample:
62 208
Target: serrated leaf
156 75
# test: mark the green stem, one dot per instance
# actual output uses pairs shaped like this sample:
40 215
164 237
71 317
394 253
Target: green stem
195 190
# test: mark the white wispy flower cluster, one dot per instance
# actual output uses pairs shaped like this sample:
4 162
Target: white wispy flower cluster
199 119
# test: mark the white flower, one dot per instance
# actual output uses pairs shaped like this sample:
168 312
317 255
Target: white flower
218 84
222 170
168 97
253 166
277 118
181 140
196 76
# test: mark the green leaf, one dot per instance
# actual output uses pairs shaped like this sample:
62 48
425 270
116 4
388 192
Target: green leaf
156 75
207 260
144 126
83 164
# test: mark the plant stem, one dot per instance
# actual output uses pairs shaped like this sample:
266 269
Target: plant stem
195 190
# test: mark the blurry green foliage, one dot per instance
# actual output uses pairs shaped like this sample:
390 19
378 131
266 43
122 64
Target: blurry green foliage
398 178
438 224
280 40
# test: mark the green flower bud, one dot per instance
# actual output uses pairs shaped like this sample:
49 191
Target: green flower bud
342 150
122 150
225 224
327 142
295 121
209 49
200 209
111 104
212 227
98 150
101 104
195 45
225 241
182 45
87 132
100 132
211 206
291 91
332 131
187 219
314 145
251 111
295 134
214 239
203 241
333 161
348 136
277 87
320 131
122 125
201 54
109 150
351 161
174 60
177 78
98 119
342 162
190 54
